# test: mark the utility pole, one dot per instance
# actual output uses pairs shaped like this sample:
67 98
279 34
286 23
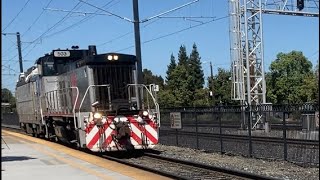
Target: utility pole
19 52
212 94
19 48
136 21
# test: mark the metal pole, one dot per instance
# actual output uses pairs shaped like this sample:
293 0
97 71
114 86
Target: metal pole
19 52
249 129
284 135
212 83
196 119
136 22
220 129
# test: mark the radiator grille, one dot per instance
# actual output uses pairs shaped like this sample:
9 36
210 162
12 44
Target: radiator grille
118 76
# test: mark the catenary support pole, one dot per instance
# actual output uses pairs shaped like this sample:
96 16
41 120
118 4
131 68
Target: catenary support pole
19 52
138 76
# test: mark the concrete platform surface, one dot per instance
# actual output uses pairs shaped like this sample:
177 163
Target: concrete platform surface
29 158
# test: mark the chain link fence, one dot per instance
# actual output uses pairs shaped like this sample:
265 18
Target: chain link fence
284 132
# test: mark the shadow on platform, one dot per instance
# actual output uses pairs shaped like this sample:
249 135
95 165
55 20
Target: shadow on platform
15 158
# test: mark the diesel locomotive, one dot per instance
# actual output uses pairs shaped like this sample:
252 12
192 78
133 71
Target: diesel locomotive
91 100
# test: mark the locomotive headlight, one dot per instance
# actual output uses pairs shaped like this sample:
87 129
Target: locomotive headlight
97 115
109 57
115 57
145 113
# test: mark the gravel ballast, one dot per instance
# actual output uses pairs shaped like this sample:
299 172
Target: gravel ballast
277 169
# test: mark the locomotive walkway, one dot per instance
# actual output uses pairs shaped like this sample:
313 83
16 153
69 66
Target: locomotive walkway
25 157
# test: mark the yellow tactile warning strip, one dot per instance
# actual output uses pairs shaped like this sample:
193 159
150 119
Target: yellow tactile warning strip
71 163
104 163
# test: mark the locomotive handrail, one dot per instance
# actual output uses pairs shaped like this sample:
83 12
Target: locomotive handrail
75 102
153 98
85 94
74 107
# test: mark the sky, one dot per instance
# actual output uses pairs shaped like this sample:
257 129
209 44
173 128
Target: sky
160 37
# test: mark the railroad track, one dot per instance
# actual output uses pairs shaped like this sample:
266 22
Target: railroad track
181 169
169 167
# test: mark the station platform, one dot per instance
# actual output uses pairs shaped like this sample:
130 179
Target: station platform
25 157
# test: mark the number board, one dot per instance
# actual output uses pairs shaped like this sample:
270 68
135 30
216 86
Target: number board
61 53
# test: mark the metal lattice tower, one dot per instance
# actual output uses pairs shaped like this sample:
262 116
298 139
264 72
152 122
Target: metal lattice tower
246 44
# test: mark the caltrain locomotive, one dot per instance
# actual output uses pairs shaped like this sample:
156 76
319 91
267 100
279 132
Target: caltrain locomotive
90 100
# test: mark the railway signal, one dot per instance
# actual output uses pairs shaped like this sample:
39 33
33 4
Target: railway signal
300 4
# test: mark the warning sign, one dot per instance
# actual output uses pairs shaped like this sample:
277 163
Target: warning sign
317 119
175 120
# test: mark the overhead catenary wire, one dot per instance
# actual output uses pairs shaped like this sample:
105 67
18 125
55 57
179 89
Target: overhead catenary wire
14 60
79 22
39 38
5 51
77 12
169 11
110 13
123 18
175 32
148 19
56 24
32 24
116 38
48 30
8 67
16 15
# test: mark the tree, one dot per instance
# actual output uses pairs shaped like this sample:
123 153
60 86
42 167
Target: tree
316 74
7 97
195 69
291 79
166 98
182 56
222 87
180 90
201 97
171 68
149 78
179 83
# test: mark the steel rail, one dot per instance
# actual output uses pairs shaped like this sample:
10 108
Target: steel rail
238 173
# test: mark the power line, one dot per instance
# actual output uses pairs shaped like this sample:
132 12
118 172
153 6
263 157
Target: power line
148 19
28 30
8 74
79 22
16 16
78 12
48 30
13 60
169 11
123 18
173 33
8 67
159 16
317 51
36 19
4 52
119 37
56 24
185 17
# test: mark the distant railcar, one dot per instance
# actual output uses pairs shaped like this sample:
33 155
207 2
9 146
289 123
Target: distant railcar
88 99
